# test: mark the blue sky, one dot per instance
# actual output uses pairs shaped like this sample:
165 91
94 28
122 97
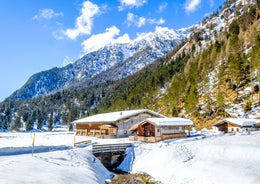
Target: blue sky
37 35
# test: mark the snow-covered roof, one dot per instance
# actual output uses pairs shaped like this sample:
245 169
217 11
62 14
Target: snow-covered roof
165 122
170 121
115 116
243 122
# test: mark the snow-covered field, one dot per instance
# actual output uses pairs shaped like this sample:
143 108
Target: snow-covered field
216 159
199 159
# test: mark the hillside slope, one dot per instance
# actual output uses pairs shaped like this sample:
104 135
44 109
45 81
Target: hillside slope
207 78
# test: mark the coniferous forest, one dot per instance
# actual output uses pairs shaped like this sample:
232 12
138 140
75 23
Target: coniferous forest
199 79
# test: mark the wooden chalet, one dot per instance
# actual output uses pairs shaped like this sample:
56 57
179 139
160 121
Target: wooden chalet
257 125
157 129
113 124
233 125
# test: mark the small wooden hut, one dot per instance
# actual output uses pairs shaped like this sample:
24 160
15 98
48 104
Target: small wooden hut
233 125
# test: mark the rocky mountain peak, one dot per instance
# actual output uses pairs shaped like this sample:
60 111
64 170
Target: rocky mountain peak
114 61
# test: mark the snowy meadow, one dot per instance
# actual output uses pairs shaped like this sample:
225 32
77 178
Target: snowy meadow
206 157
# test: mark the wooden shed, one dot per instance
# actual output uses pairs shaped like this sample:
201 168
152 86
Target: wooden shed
157 129
113 124
232 125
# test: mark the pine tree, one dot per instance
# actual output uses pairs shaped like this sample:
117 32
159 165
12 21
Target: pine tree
70 119
25 116
248 106
256 59
29 124
50 124
64 118
39 120
1 122
8 118
17 123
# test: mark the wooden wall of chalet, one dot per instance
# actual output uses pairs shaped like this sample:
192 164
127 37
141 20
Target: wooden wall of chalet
149 130
228 127
223 127
125 124
170 136
257 125
87 126
146 130
95 130
90 130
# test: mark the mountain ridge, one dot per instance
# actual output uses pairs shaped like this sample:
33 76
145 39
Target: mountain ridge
118 60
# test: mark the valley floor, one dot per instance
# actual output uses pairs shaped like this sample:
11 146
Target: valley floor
199 159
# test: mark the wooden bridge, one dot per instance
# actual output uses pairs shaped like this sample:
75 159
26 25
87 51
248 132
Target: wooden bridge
110 155
109 148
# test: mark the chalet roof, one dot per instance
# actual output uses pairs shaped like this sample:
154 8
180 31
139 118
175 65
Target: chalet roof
165 122
170 121
114 116
243 122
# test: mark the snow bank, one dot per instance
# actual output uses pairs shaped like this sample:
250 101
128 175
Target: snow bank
217 159
71 165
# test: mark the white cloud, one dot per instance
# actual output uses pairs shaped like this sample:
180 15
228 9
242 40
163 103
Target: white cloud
58 34
47 14
131 4
122 39
98 41
130 18
162 7
84 23
191 5
211 3
155 21
140 35
133 19
141 21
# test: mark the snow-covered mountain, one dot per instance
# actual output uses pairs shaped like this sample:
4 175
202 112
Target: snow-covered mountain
112 62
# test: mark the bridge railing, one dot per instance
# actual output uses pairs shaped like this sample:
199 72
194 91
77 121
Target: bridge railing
82 142
104 148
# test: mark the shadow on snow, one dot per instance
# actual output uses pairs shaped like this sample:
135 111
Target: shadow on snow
8 151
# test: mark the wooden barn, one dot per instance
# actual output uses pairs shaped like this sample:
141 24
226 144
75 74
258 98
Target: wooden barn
233 125
157 129
113 124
